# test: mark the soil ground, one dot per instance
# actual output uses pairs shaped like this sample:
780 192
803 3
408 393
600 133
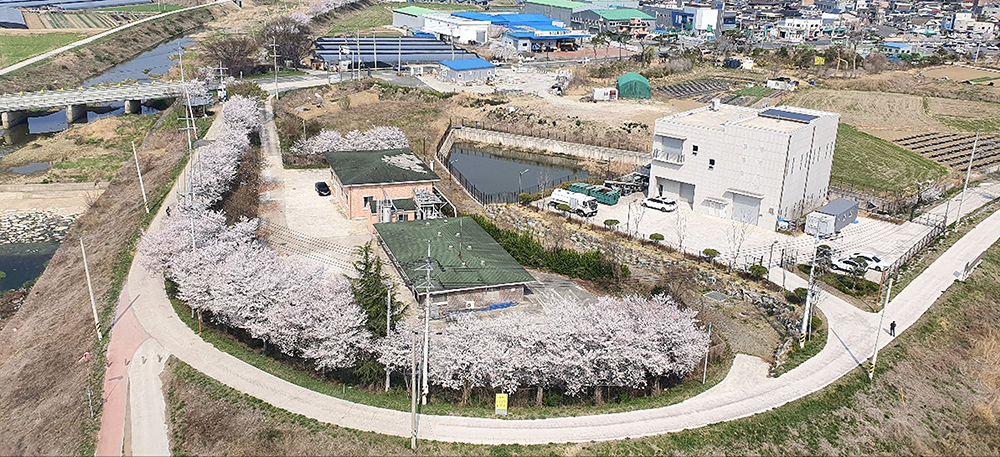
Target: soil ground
46 404
957 73
936 392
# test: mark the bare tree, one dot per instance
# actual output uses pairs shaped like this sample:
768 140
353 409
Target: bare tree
236 52
291 35
736 235
681 228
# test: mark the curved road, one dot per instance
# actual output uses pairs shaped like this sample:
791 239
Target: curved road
746 390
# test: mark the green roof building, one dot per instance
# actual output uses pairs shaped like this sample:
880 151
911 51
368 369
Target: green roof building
633 85
471 271
560 10
384 186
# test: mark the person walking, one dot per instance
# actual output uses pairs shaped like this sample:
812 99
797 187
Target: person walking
892 328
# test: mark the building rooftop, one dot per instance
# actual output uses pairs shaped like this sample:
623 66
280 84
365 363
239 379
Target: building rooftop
414 10
467 64
358 168
558 3
619 14
779 119
463 255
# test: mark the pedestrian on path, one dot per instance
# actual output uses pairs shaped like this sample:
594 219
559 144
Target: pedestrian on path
892 328
168 211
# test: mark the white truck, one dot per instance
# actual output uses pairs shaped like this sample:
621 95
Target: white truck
583 205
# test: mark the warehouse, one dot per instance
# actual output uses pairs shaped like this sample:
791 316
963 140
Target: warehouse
470 271
559 10
410 17
618 20
467 70
382 52
449 27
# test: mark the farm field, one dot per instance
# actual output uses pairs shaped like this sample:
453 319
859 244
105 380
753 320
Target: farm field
380 14
147 8
17 47
957 73
871 164
873 112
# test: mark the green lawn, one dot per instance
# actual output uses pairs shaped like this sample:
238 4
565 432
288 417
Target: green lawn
971 125
15 48
380 14
149 7
755 91
873 165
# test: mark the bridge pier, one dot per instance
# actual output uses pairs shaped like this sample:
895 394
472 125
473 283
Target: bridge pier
12 118
74 112
133 106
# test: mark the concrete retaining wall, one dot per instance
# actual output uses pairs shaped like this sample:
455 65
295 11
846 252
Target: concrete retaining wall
583 151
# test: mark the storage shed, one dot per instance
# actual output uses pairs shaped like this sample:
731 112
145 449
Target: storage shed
466 70
832 217
633 85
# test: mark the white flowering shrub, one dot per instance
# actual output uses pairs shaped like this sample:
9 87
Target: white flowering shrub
374 139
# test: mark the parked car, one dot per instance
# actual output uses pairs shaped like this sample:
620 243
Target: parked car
849 264
874 263
322 189
660 203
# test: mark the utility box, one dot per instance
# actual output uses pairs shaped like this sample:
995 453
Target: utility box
832 217
607 94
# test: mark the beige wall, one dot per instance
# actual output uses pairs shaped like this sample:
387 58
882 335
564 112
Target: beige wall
353 198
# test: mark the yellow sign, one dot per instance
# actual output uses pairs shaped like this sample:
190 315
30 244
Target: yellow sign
501 407
819 60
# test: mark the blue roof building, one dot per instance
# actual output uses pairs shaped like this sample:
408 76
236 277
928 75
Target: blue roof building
467 70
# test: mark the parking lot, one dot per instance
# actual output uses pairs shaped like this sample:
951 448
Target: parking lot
885 240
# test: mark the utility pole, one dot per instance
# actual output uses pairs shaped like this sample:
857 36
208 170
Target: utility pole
357 55
90 288
222 75
413 390
374 51
427 285
807 311
968 172
704 371
878 332
274 55
142 187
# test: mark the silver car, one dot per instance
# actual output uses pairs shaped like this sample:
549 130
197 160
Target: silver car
660 203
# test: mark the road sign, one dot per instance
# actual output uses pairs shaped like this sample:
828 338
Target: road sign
501 405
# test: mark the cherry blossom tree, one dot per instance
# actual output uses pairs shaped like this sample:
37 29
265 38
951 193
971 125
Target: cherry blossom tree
374 139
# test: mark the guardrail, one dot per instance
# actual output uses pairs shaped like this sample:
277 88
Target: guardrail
50 99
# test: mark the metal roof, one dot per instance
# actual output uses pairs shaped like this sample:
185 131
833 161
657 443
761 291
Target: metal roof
11 18
558 3
838 207
413 10
475 15
618 14
463 255
357 168
467 64
788 115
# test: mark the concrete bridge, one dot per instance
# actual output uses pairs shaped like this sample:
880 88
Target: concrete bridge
14 107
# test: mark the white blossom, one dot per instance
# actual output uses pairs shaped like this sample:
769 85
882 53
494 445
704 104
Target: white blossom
374 139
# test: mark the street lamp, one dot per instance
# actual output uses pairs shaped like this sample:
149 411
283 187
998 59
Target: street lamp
519 181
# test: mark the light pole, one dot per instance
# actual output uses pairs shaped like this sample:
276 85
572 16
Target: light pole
770 255
968 172
519 182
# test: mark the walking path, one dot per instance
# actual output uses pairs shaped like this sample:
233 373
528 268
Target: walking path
746 390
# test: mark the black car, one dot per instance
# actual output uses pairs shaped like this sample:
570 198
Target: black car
322 189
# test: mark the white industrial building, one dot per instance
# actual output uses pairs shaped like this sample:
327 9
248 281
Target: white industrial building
410 17
447 26
746 164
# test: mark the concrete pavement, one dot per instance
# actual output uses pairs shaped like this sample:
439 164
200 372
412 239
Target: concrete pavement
147 412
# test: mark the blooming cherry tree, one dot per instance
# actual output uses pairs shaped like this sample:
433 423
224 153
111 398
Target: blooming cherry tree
373 139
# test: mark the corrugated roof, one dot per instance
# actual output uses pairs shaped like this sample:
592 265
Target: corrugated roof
355 168
467 64
558 3
413 10
474 15
12 18
618 14
515 19
464 256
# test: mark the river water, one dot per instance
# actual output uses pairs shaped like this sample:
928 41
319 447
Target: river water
153 62
493 170
23 262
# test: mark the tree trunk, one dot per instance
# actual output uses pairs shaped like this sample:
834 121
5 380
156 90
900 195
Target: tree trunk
466 391
598 395
538 396
656 385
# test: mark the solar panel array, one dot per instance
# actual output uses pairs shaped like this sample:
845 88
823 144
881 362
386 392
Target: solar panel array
70 4
788 115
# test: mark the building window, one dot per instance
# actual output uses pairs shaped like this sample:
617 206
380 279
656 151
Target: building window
401 218
711 164
694 149
368 201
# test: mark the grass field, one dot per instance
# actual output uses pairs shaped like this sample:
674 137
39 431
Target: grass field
380 14
755 91
971 125
870 164
935 392
15 48
149 7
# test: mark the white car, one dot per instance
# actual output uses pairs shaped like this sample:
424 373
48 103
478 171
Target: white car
874 263
849 264
660 203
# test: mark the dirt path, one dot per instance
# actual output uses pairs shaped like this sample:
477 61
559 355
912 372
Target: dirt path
65 199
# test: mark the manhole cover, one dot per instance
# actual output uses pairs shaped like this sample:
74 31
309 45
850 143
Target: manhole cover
717 296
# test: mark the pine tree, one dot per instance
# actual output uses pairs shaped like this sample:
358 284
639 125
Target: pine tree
369 289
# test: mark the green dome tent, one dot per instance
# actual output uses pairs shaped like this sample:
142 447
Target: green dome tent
633 85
